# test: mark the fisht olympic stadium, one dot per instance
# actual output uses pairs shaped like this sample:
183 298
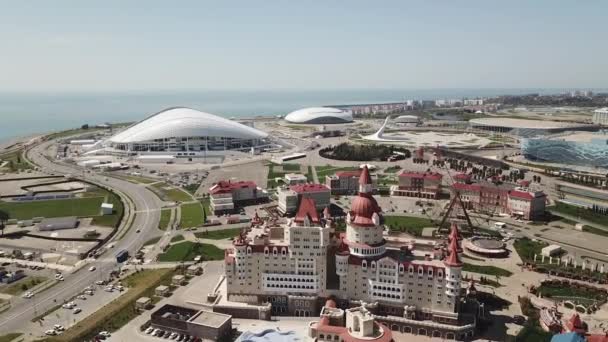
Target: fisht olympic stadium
184 131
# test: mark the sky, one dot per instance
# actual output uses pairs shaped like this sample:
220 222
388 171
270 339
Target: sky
109 45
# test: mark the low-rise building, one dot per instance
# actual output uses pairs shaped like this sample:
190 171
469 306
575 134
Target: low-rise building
162 291
227 195
551 250
290 197
295 178
203 324
178 280
418 184
347 182
194 270
493 199
143 303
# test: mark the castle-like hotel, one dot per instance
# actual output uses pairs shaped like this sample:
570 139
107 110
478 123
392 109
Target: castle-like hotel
301 265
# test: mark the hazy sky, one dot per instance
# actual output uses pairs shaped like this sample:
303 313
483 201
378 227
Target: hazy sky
132 45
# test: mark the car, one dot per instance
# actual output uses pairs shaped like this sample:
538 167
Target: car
82 297
104 333
89 292
173 336
77 311
92 268
28 295
166 334
518 319
50 332
58 327
100 282
68 305
109 289
149 330
138 231
159 333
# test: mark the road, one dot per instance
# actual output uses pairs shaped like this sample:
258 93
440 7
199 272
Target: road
146 204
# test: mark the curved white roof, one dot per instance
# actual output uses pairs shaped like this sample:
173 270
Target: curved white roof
319 115
524 123
185 122
407 118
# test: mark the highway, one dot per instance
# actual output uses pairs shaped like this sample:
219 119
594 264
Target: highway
146 204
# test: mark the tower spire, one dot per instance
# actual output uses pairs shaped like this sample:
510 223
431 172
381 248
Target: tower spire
365 181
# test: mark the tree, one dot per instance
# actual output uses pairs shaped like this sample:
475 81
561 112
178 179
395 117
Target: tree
3 218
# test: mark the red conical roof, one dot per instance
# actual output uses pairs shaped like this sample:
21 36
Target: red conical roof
453 260
326 213
575 324
343 249
365 178
454 233
308 209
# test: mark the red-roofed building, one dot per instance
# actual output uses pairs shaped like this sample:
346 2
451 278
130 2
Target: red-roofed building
347 182
519 202
350 325
289 198
418 184
462 178
225 196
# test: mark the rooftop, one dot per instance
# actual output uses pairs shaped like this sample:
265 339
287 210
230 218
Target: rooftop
524 123
209 318
228 186
301 188
424 175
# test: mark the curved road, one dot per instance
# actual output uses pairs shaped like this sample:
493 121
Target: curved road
147 207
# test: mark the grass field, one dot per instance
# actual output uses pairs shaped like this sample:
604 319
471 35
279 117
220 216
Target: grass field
9 337
328 170
120 311
82 207
152 241
489 270
218 234
169 193
22 285
552 290
15 161
526 248
114 219
165 217
187 251
291 167
177 238
595 231
583 213
409 224
191 215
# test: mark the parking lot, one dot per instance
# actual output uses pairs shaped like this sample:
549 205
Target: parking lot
72 312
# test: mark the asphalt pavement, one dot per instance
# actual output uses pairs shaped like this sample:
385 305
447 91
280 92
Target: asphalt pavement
145 203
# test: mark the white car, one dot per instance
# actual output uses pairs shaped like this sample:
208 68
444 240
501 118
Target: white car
28 295
76 310
149 330
92 268
109 289
99 282
51 332
104 334
58 327
82 297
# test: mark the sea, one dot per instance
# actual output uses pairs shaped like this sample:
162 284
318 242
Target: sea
24 114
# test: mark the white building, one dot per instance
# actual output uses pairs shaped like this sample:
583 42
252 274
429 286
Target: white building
295 178
319 115
289 198
226 195
185 133
600 116
290 270
551 250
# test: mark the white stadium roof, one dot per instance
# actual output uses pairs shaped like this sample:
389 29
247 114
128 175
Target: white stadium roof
524 123
319 115
185 122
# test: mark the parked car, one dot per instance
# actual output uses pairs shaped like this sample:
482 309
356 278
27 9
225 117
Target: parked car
58 327
92 268
77 311
28 295
51 332
149 330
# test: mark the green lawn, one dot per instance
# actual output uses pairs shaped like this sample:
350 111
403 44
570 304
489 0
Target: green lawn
526 248
596 231
169 193
114 219
187 251
218 234
191 188
152 241
9 337
22 285
489 270
553 290
165 217
177 238
585 214
309 175
291 167
191 215
82 207
15 161
329 170
409 224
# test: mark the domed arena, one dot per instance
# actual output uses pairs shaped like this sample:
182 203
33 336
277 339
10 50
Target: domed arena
319 115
